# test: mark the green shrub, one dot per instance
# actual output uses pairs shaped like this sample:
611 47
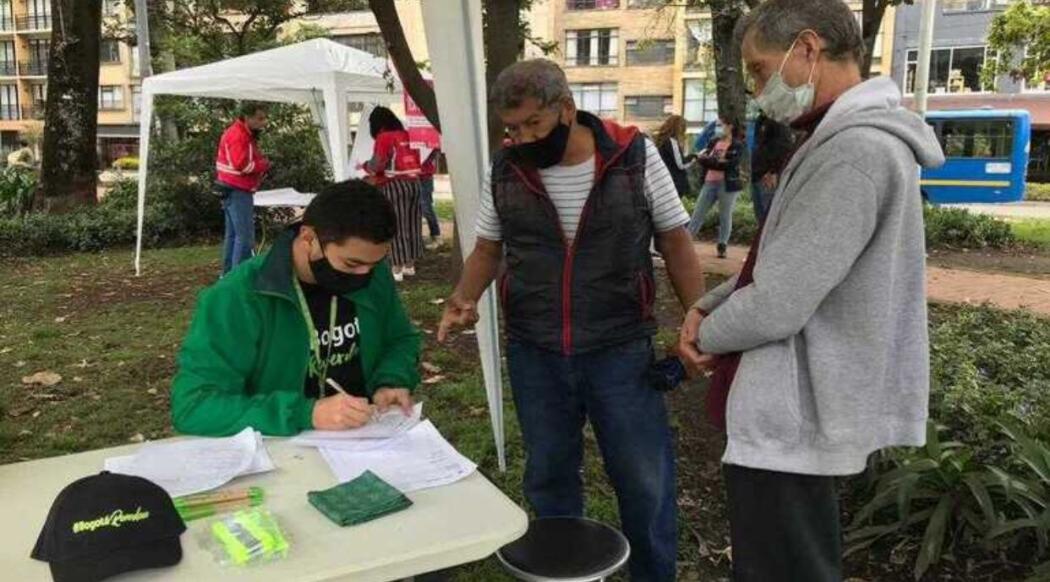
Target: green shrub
1038 191
745 227
17 187
956 228
986 364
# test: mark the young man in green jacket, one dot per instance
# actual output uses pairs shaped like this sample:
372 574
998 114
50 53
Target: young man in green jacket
320 307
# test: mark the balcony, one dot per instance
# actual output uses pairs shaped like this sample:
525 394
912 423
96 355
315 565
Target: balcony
8 68
7 24
33 68
35 111
33 22
592 4
9 113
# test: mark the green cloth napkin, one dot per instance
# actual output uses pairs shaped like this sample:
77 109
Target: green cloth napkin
365 498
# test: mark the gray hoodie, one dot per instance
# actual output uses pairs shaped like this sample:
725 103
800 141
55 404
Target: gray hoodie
833 330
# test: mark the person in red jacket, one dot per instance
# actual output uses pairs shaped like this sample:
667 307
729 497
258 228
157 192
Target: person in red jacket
240 168
395 168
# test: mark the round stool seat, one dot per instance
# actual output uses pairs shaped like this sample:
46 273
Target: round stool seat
565 549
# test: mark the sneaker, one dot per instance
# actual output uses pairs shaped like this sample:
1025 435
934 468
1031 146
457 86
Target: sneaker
398 275
721 251
434 244
409 271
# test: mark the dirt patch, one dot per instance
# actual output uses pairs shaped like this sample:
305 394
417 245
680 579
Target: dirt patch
1019 262
87 291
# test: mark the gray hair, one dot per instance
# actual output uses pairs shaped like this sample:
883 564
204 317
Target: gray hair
540 79
777 23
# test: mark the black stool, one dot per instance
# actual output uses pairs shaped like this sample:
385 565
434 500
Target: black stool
565 549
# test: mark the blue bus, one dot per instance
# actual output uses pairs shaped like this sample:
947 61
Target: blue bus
986 156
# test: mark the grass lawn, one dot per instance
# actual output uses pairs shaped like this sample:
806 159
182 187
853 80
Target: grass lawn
1034 232
112 338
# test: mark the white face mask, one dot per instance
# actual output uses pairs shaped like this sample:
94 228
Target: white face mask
783 103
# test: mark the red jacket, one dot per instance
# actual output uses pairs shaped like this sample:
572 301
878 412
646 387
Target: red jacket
239 163
393 158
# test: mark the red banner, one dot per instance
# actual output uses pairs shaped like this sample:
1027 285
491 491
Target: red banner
421 133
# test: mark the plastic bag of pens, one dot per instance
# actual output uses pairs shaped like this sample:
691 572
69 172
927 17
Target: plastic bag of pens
245 538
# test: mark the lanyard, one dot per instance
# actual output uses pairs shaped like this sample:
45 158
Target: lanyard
319 364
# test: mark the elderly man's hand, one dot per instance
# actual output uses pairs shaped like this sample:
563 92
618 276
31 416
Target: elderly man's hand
688 348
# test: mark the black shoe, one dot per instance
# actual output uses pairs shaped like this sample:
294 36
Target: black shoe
721 251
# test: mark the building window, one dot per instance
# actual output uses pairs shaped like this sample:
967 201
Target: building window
111 7
371 43
647 106
111 97
650 52
591 48
599 98
9 102
8 63
38 15
972 5
7 16
646 3
700 103
952 70
109 52
972 138
592 4
695 5
697 43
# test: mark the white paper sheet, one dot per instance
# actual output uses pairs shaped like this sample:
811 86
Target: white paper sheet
391 423
418 459
195 465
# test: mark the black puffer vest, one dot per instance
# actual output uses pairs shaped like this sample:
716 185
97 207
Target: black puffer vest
596 291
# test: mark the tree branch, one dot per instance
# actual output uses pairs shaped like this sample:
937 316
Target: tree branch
401 54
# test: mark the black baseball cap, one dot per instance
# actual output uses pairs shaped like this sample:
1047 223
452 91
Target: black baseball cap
107 524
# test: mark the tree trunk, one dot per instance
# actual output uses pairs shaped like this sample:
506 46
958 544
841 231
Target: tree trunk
67 175
503 45
401 54
729 76
872 14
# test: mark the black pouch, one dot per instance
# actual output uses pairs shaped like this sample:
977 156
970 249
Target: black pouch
220 190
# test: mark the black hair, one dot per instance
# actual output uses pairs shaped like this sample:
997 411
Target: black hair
23 142
353 208
382 119
250 108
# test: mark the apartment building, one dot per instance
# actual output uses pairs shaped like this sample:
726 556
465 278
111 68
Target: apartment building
25 44
638 61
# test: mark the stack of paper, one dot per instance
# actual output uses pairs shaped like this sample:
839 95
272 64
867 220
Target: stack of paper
418 459
389 424
195 465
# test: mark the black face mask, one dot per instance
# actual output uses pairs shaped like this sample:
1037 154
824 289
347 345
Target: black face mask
337 282
546 151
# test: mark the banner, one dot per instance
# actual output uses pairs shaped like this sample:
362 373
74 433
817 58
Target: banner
421 134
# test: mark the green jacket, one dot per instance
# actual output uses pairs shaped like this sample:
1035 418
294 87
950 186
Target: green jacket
243 362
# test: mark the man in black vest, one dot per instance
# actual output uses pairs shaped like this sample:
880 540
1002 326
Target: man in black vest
572 205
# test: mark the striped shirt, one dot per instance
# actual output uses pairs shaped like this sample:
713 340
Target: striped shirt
569 187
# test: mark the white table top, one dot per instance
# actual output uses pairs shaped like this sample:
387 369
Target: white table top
282 197
444 527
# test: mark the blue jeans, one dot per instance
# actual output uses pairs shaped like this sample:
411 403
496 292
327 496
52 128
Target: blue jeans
426 200
239 242
760 199
554 395
714 192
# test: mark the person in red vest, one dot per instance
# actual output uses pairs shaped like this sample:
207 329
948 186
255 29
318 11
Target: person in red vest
240 167
396 169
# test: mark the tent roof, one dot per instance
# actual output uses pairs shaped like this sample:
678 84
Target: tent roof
291 73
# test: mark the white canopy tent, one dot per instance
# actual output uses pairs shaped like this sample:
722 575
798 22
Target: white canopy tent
325 75
321 74
458 64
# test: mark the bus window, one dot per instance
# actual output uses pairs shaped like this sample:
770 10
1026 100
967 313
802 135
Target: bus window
977 138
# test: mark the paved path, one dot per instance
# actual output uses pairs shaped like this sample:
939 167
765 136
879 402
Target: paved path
1017 210
943 285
